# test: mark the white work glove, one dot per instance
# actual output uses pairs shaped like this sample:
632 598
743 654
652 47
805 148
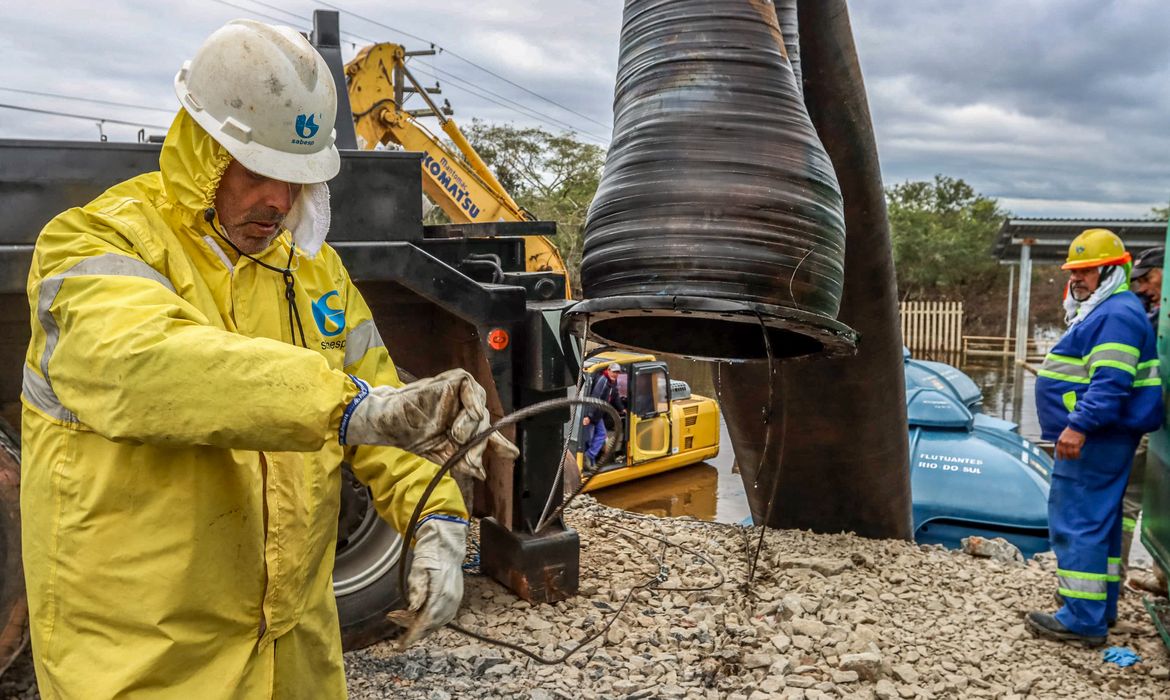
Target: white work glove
435 583
431 418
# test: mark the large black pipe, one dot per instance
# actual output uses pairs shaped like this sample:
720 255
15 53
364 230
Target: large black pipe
717 230
790 29
844 463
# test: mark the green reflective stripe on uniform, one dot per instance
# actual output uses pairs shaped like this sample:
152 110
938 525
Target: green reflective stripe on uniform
1070 400
1115 364
1120 347
1065 369
1128 524
1080 575
1081 584
1148 374
1062 377
1114 569
1117 355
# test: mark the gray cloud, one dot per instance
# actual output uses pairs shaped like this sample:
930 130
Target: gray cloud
1055 106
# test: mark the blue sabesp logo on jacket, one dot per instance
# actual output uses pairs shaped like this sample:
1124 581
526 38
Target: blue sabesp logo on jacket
306 127
326 316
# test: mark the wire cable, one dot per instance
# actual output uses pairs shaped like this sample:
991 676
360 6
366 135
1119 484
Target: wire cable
87 99
461 83
467 61
258 14
71 115
483 93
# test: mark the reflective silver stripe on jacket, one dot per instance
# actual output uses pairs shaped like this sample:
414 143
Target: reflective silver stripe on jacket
36 390
39 389
363 338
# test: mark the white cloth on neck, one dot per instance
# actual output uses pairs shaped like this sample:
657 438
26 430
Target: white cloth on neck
308 220
1112 277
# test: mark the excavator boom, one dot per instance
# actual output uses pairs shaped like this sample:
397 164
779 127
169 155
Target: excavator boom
458 180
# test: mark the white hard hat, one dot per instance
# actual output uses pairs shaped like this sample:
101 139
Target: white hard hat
266 95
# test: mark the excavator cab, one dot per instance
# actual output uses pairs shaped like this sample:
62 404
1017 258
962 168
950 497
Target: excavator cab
649 415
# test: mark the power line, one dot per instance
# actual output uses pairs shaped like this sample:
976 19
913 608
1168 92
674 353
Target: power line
468 87
258 14
71 115
469 62
87 99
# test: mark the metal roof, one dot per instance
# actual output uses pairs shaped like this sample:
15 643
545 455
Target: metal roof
1050 238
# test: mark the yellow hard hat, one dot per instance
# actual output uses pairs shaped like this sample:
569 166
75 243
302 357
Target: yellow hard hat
1095 247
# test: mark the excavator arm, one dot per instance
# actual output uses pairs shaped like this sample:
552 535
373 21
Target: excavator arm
460 183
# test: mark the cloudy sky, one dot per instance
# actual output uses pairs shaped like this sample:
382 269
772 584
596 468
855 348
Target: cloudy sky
1057 107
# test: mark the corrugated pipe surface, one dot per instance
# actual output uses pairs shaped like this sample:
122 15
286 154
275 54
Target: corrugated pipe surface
719 210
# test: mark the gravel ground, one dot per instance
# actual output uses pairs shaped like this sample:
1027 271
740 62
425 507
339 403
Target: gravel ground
827 616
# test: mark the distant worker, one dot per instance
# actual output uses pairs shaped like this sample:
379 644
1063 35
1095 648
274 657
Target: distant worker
200 367
1146 281
1097 393
596 443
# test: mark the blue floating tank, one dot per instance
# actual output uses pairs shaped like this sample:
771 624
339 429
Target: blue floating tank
971 474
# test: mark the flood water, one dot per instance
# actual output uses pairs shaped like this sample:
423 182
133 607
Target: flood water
707 491
713 491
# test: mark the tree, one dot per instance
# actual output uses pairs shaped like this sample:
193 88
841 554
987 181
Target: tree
553 176
1161 213
942 233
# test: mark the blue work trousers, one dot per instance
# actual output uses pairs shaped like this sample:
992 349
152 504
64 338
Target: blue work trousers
1084 525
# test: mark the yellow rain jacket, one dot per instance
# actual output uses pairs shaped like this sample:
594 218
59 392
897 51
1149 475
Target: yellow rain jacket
181 465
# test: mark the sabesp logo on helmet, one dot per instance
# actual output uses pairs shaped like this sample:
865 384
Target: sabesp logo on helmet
306 129
326 316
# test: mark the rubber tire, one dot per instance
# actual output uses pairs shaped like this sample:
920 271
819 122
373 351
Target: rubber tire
363 612
13 604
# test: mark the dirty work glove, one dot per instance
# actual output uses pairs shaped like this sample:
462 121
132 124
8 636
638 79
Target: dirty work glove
431 418
435 583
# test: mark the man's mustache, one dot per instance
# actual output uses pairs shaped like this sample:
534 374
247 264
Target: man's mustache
265 217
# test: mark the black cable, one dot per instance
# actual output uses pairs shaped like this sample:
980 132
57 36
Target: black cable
278 20
289 287
764 454
655 582
522 414
170 110
72 115
467 61
477 91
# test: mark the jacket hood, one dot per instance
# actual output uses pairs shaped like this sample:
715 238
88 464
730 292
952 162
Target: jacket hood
192 164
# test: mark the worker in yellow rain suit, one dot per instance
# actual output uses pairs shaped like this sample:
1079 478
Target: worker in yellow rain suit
188 404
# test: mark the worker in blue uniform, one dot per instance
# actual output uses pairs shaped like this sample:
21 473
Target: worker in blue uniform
1097 393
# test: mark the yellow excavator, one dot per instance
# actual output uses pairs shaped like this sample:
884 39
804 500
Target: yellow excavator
459 183
664 425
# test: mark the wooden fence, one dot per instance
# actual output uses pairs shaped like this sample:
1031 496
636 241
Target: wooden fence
932 327
987 346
